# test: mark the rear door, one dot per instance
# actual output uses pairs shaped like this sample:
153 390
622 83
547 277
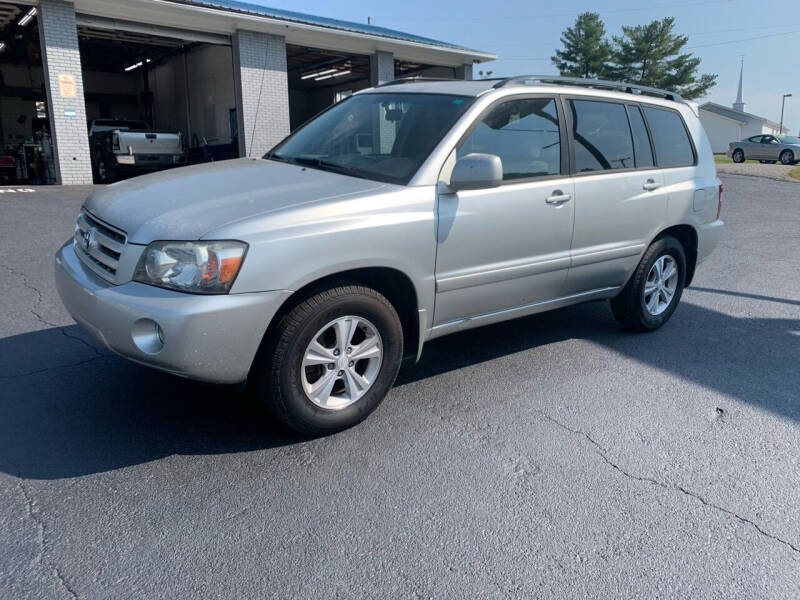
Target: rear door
620 197
753 148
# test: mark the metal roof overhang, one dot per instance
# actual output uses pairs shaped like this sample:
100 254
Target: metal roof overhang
179 17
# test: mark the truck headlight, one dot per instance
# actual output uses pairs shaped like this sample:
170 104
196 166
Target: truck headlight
194 267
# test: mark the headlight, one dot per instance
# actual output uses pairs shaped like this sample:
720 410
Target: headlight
194 267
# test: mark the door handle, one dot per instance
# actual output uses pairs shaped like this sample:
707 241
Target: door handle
650 185
557 198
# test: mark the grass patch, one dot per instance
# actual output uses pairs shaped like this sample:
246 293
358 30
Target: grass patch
795 173
723 159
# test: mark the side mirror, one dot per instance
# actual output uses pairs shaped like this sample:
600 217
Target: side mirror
477 171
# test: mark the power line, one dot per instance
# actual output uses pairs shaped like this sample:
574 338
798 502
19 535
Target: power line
758 37
745 29
698 33
561 15
727 42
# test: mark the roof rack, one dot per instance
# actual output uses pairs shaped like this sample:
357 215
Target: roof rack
630 88
403 80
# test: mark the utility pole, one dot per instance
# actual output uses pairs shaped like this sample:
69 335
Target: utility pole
783 103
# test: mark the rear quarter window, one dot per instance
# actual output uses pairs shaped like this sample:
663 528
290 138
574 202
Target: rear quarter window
670 138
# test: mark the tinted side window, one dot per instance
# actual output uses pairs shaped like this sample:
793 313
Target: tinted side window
671 141
602 136
524 134
642 151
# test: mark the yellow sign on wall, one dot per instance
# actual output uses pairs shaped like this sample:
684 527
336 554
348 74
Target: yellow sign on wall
66 85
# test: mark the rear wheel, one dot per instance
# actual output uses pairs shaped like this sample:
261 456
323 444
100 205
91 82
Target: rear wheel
333 360
787 157
651 295
738 156
105 171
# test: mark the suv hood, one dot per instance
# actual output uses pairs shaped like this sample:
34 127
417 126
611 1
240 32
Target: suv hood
186 203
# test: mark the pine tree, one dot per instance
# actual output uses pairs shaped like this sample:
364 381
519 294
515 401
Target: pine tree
586 51
651 55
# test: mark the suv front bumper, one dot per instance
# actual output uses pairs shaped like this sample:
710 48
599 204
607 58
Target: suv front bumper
210 338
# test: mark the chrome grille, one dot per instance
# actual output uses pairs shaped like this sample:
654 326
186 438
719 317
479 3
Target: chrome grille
98 245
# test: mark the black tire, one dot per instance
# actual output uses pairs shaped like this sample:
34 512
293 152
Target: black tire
629 307
106 173
277 375
787 157
738 156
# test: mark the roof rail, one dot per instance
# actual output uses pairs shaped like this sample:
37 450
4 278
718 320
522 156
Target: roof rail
403 80
630 88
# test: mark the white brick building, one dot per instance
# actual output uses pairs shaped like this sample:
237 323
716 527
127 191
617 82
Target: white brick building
234 78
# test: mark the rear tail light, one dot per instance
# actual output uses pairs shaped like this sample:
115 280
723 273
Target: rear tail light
719 197
115 141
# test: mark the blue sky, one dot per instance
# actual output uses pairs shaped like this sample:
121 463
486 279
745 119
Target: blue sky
524 34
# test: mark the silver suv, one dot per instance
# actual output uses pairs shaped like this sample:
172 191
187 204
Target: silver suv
404 213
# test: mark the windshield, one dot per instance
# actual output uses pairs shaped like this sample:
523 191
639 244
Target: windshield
384 137
789 139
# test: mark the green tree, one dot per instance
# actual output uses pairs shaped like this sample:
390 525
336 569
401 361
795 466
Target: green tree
651 55
586 51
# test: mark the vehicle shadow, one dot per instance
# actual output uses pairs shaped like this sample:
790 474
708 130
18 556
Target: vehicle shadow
94 412
754 360
87 412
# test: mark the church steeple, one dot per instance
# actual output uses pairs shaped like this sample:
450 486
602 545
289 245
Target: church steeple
739 104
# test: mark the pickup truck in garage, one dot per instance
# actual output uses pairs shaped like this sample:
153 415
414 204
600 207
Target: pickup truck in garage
122 147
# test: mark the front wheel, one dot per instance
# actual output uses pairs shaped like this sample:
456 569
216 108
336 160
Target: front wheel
738 156
787 157
333 360
651 295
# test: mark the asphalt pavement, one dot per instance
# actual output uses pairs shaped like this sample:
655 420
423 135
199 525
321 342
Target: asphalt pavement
556 456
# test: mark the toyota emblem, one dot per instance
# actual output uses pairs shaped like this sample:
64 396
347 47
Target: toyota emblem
89 240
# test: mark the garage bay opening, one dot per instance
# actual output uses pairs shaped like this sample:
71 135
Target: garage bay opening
26 147
155 100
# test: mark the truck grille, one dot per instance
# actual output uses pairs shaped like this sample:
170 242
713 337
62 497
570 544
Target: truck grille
98 245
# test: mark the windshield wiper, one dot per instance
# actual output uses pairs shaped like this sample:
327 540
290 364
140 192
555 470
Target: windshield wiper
322 164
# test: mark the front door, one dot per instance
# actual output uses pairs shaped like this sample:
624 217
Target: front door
508 246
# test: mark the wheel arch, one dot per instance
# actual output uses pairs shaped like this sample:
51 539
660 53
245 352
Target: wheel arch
393 283
687 236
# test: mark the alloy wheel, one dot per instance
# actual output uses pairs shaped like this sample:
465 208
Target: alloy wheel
661 284
341 363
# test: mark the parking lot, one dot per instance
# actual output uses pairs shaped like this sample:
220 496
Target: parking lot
554 456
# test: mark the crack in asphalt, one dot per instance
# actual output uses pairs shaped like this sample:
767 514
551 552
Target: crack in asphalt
60 328
41 557
56 368
603 453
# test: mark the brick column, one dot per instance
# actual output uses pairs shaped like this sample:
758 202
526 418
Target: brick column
464 72
381 68
63 78
262 91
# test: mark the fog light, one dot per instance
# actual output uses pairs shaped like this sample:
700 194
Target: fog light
148 336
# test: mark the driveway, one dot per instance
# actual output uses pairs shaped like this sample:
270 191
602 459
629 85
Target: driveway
555 456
